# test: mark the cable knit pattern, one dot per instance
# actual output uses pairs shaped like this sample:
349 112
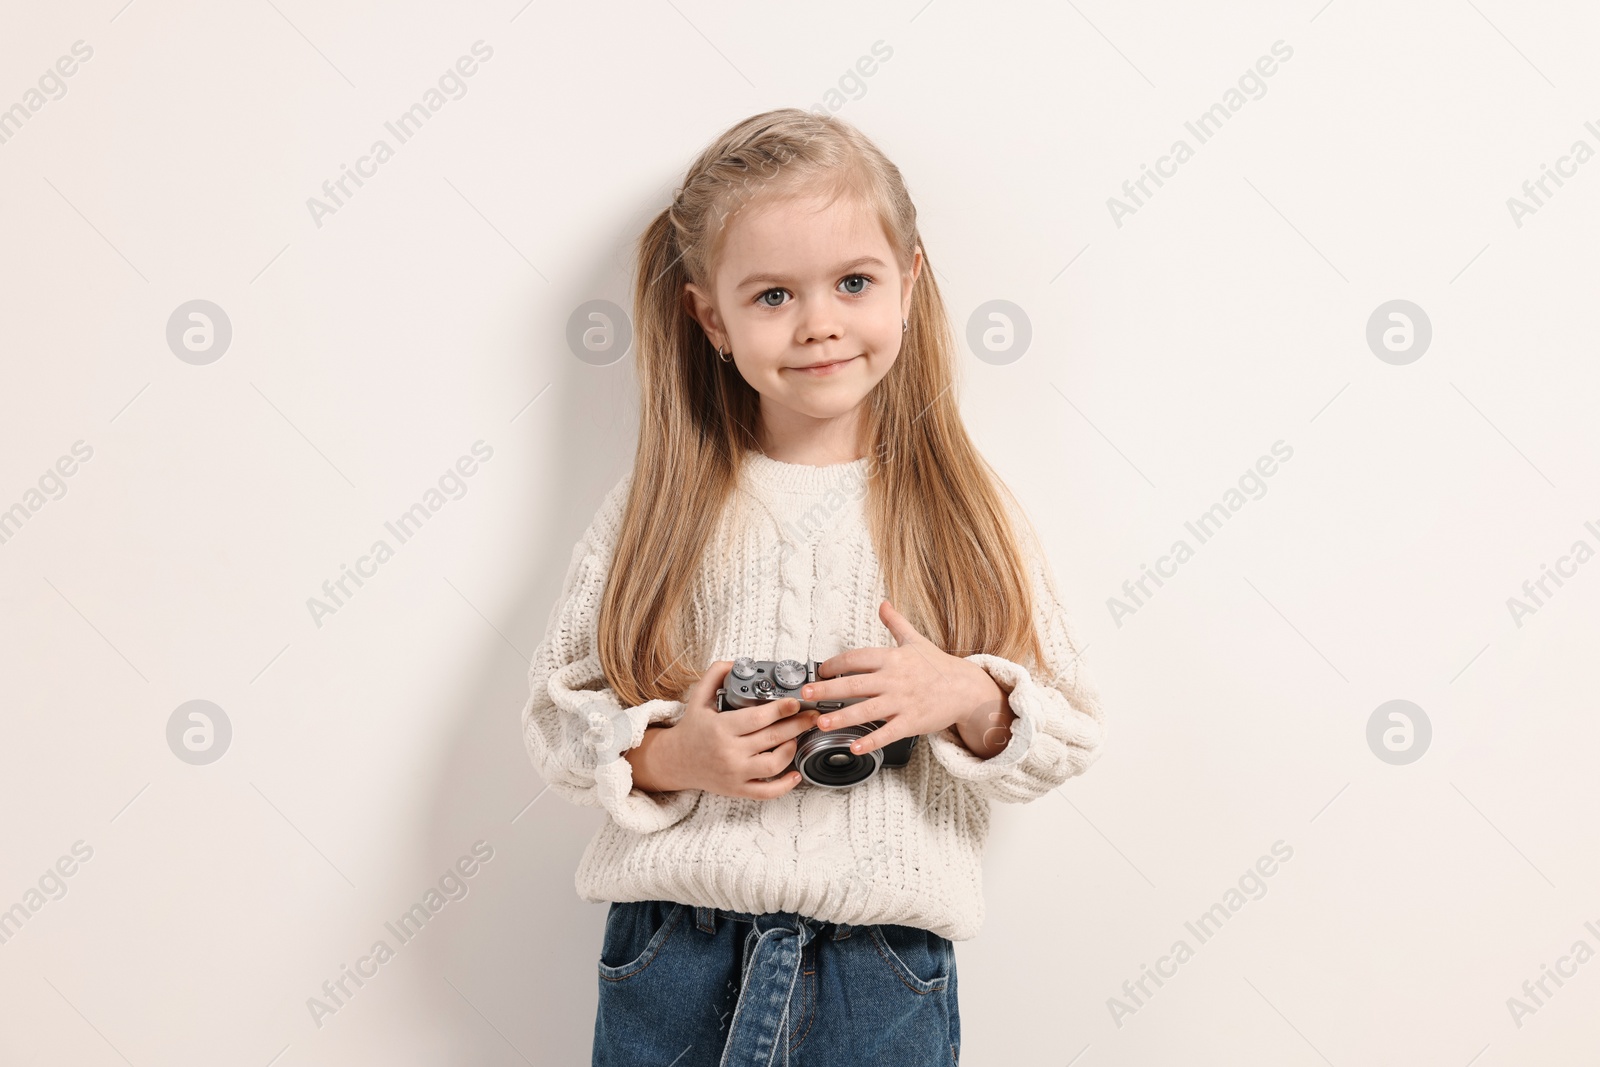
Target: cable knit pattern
792 574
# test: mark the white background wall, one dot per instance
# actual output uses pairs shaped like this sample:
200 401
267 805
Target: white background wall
1168 353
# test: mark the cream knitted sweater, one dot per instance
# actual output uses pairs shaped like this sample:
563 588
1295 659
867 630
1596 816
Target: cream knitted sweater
792 574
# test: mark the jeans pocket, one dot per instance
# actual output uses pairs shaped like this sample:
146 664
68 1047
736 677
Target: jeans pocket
636 932
919 958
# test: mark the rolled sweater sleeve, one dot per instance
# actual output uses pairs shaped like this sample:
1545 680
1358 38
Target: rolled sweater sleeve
1059 726
574 726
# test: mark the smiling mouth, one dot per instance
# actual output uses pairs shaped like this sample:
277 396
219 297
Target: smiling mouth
824 367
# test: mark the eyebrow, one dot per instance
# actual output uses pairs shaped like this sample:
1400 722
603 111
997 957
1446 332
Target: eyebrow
765 277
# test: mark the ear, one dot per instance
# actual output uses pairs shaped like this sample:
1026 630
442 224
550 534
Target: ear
698 304
910 282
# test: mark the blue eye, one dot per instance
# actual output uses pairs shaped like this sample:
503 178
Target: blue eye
866 282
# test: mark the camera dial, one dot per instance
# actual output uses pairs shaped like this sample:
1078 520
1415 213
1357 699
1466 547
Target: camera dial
791 674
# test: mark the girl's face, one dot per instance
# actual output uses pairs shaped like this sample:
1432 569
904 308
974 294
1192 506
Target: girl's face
808 298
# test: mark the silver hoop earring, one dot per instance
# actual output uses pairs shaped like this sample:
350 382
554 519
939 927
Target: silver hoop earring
905 324
725 358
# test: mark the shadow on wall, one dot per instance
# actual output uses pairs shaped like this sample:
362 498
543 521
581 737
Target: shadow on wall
516 965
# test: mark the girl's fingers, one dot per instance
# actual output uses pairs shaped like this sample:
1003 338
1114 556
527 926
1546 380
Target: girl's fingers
704 691
771 763
861 661
852 714
781 731
846 687
879 738
775 788
747 721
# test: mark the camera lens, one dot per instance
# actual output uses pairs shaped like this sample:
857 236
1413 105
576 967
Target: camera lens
825 759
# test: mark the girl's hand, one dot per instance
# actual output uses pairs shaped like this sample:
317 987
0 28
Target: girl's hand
729 752
916 688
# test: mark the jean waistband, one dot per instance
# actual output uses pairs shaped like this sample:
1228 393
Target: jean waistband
706 919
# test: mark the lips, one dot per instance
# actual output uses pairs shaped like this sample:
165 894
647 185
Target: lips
824 368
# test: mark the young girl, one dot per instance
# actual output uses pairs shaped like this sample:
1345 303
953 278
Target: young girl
803 489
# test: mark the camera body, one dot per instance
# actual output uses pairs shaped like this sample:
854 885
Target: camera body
822 757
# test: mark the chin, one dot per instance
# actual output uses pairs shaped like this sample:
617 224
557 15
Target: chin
842 406
830 411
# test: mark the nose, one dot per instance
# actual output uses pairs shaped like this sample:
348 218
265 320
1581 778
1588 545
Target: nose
819 322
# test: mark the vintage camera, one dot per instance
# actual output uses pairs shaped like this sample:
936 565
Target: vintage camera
822 757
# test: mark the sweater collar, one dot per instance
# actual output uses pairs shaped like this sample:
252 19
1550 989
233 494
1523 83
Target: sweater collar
778 476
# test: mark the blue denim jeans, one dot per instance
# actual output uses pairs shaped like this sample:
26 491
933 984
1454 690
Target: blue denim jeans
682 986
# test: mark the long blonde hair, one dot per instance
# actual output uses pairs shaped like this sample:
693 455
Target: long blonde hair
950 558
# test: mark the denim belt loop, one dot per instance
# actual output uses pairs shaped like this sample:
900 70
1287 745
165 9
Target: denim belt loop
706 919
841 931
